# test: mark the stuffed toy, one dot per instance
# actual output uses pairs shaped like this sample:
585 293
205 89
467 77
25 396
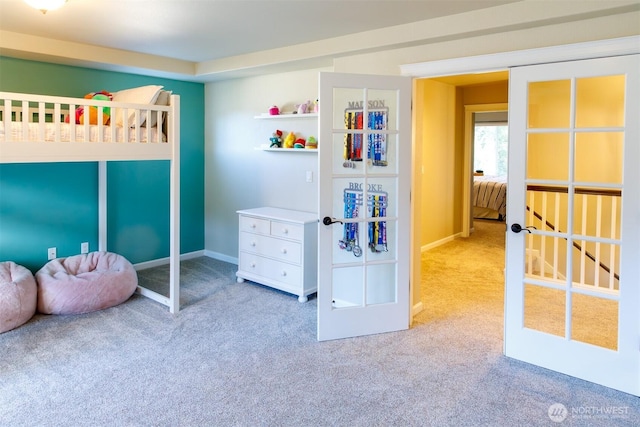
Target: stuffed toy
93 111
274 110
303 108
312 143
289 141
299 143
276 139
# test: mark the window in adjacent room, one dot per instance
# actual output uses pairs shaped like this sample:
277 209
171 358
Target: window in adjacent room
490 143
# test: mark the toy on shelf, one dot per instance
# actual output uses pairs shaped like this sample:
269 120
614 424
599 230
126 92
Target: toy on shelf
274 110
289 141
276 139
299 143
312 143
304 108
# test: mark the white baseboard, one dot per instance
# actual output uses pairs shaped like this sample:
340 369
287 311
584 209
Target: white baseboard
221 257
164 261
439 242
417 308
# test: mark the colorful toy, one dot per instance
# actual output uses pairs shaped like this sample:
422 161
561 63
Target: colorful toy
312 143
289 141
93 111
302 108
299 143
276 139
274 110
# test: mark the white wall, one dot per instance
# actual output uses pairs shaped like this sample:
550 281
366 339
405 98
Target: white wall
237 176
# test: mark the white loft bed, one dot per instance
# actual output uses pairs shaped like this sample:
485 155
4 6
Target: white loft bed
50 139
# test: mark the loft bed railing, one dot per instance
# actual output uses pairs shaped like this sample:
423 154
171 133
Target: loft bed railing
552 227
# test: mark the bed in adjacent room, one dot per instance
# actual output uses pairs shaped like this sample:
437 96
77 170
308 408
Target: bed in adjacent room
489 197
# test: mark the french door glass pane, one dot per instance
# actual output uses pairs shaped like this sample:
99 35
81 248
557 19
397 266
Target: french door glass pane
544 309
548 156
347 285
598 157
594 321
549 104
600 101
381 286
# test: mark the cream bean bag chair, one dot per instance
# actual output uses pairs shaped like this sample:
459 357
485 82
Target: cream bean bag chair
85 283
18 295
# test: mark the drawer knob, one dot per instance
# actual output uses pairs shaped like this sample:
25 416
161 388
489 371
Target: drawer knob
284 250
253 265
284 273
285 231
253 244
253 225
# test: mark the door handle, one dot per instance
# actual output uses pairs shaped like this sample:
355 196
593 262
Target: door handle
327 220
516 228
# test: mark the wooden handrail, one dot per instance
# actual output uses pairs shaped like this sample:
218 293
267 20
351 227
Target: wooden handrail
575 244
576 190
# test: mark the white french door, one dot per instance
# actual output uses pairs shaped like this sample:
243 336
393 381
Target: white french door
573 236
364 206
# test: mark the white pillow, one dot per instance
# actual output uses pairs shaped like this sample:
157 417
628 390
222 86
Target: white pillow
137 95
163 99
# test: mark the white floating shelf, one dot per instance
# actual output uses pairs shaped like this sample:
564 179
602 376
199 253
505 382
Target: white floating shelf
287 116
288 150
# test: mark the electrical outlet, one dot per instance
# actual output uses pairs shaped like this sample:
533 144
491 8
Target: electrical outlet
84 248
52 253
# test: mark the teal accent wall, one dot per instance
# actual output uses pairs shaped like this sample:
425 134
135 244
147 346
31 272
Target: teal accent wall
46 205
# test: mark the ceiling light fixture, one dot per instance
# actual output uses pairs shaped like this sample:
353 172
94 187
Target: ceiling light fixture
45 5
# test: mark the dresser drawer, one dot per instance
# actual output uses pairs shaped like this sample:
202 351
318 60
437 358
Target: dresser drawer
271 269
255 225
284 250
287 230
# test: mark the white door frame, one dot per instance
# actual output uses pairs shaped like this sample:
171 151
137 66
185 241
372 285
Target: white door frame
500 61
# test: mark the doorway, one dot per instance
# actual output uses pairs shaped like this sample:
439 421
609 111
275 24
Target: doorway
466 269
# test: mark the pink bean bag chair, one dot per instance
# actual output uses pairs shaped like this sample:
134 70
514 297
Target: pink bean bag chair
18 295
85 283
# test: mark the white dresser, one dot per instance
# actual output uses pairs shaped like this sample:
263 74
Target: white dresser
279 248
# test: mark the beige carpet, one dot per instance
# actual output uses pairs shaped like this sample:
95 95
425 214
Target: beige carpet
465 275
465 278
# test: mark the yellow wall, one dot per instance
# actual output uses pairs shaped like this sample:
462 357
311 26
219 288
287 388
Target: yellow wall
488 93
437 124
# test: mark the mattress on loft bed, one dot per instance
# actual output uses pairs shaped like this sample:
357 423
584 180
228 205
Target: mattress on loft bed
17 131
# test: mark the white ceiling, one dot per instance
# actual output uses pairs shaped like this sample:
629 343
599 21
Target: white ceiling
198 31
